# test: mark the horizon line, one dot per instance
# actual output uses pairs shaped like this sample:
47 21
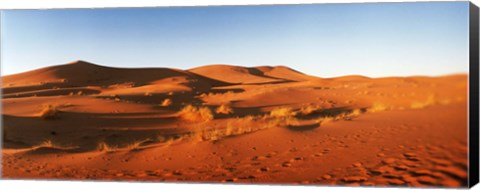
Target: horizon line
233 65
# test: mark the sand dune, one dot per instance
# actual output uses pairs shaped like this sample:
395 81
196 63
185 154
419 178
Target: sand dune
286 73
222 123
82 73
247 75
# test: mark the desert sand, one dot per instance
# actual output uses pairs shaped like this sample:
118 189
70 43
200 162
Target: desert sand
224 124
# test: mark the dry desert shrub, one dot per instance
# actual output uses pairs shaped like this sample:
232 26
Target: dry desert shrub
445 101
104 147
309 110
205 134
431 100
377 107
240 126
168 140
167 102
349 115
47 144
233 127
282 112
281 116
50 144
135 145
49 112
115 97
192 113
324 120
210 135
224 109
161 138
356 112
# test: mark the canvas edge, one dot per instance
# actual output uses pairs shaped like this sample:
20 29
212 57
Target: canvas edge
473 135
2 135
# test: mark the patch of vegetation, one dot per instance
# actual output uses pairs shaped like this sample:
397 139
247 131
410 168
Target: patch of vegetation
428 102
104 147
192 113
224 109
234 127
282 112
148 94
49 112
309 110
135 145
47 144
50 144
167 102
377 107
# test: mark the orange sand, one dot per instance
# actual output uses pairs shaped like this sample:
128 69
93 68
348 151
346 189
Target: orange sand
286 127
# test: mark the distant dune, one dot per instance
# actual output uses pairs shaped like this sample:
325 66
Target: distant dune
224 123
81 72
250 75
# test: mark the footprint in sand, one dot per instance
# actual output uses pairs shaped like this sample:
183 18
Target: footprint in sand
351 179
389 160
381 170
453 171
440 162
326 177
271 154
259 158
230 180
395 182
286 164
298 158
427 180
401 167
422 172
357 164
249 177
410 163
264 169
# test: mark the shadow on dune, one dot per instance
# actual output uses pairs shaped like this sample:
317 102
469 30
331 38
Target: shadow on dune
273 82
86 130
331 112
44 86
246 111
52 150
53 92
101 75
226 90
178 100
306 127
82 74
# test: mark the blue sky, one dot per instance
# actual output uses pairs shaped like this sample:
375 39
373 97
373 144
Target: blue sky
326 40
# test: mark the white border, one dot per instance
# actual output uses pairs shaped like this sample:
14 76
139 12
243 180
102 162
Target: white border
62 185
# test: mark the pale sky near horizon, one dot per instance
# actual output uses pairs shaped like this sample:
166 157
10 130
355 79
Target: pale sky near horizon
325 40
